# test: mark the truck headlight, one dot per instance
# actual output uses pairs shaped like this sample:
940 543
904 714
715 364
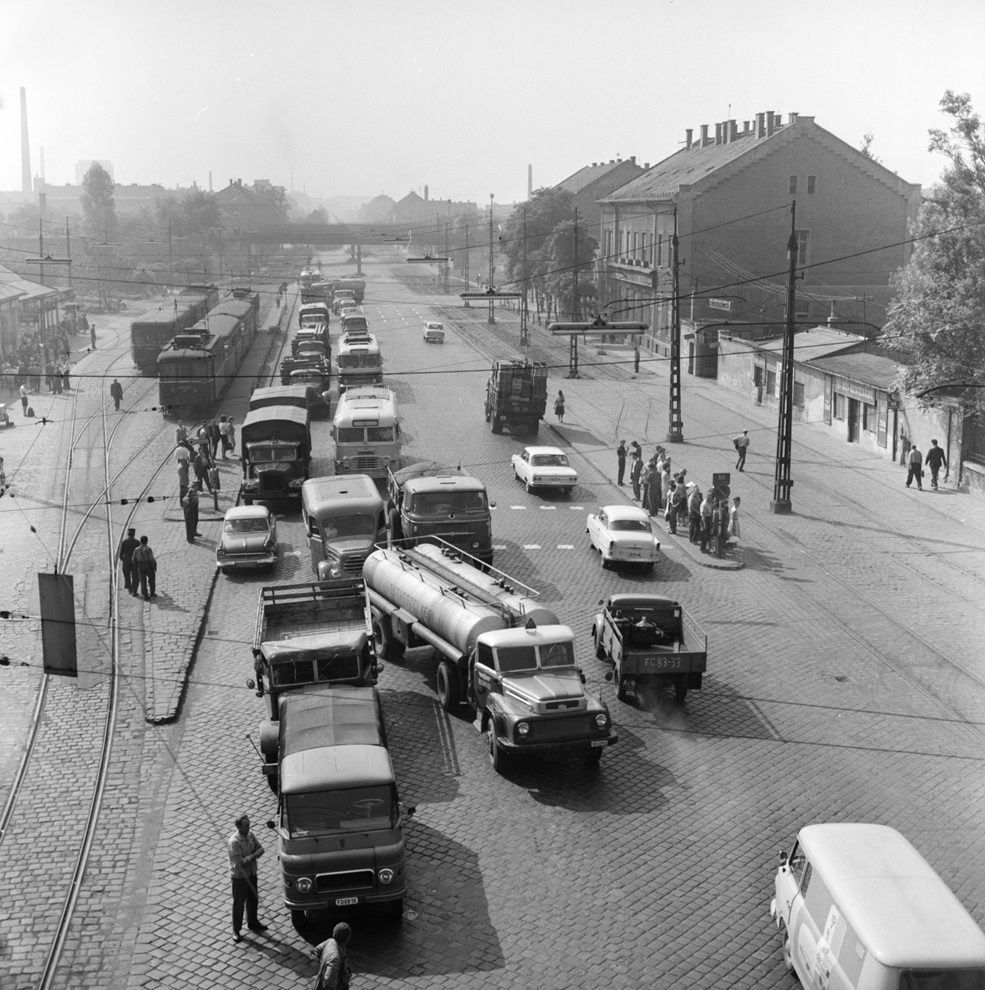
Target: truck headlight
602 720
475 544
303 885
523 729
385 876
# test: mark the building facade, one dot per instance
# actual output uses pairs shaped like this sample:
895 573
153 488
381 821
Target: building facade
731 193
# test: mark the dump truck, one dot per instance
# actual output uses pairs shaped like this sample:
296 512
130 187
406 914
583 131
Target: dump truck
356 283
498 650
309 634
276 451
516 395
651 641
428 500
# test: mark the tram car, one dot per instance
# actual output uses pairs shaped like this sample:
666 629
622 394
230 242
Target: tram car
208 289
196 367
153 330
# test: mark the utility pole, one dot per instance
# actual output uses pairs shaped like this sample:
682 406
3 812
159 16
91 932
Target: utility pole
676 432
523 305
782 482
446 225
574 274
492 264
468 273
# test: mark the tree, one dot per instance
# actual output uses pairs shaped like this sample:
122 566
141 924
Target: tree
318 215
866 149
938 316
98 206
558 254
530 227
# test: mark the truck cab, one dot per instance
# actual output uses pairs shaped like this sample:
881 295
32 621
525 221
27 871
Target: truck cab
530 695
276 452
340 821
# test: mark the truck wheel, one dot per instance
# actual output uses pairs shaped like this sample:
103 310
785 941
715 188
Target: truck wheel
599 648
497 757
449 686
680 691
621 693
594 756
488 413
533 426
298 919
388 647
273 779
497 424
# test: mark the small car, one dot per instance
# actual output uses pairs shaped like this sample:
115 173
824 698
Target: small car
434 333
249 538
623 534
544 467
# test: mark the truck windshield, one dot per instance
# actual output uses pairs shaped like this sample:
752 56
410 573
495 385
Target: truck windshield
272 455
435 503
352 525
355 809
512 659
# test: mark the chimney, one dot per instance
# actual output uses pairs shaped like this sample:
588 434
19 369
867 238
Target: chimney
632 158
25 146
770 123
595 164
425 194
690 135
704 135
646 166
760 125
745 126
530 182
718 133
733 130
793 117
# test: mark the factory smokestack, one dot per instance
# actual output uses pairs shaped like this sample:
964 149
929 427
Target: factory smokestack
25 146
530 183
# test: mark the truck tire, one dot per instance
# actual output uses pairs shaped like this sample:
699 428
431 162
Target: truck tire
497 424
680 690
449 686
621 690
394 909
298 919
497 757
599 648
388 647
594 756
273 779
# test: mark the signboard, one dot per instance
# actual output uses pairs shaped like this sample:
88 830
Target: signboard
647 281
725 305
864 393
721 484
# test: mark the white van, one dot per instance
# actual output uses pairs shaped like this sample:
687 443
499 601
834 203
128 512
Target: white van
858 908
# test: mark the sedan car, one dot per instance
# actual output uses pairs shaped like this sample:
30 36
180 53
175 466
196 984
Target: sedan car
434 333
249 538
623 534
544 467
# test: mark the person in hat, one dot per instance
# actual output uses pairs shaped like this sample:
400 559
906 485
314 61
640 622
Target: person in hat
741 444
125 556
116 391
190 509
333 966
244 850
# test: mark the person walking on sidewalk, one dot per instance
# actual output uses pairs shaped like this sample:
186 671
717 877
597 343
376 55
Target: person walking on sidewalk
733 519
224 436
244 850
333 967
116 391
636 473
621 462
24 395
915 465
143 557
741 443
694 514
636 360
214 484
183 473
559 406
935 461
190 509
125 556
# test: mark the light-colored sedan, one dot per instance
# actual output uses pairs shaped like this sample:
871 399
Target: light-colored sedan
623 534
434 333
544 467
249 538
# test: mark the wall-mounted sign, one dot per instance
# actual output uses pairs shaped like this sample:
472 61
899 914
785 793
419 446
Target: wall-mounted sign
864 393
645 279
725 305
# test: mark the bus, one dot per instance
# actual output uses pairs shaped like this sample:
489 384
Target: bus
359 361
366 431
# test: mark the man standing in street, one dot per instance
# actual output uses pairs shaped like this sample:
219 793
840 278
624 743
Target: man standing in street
143 559
92 335
190 508
935 461
333 967
125 557
116 391
741 443
24 395
636 474
201 465
244 851
621 462
214 437
915 468
636 360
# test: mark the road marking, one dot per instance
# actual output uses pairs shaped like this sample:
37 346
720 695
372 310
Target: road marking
531 546
518 507
549 508
565 546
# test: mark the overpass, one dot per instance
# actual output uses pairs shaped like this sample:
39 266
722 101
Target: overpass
335 234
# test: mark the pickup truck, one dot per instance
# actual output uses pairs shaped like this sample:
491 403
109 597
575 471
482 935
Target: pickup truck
650 640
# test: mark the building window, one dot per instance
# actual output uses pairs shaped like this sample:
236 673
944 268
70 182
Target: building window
660 250
838 410
803 244
802 308
798 394
636 245
608 244
771 383
868 418
811 184
793 185
758 374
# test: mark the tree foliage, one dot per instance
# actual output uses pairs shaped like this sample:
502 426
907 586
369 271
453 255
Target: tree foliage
560 259
938 317
98 205
529 230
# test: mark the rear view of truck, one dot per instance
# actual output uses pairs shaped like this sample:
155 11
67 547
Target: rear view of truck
516 395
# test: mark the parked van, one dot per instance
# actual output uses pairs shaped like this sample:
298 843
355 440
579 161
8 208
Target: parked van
344 518
858 908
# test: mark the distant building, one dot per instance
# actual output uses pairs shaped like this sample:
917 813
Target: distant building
594 182
417 209
260 205
732 188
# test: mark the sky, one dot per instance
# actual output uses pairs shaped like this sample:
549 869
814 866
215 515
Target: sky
363 97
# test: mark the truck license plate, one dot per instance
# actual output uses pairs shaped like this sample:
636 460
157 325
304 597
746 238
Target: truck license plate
598 742
346 901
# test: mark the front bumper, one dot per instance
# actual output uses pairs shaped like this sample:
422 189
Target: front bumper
318 902
560 745
246 561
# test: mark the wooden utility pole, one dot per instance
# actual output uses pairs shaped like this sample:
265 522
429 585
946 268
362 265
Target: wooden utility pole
782 482
675 434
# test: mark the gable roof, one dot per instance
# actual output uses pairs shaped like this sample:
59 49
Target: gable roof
870 369
709 160
13 285
585 176
809 345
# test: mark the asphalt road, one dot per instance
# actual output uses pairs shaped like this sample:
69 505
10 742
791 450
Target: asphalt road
845 682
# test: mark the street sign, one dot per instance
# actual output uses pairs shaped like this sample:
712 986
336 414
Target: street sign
721 484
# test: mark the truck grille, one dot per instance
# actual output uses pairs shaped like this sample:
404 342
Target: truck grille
363 464
271 482
353 563
448 530
543 729
327 883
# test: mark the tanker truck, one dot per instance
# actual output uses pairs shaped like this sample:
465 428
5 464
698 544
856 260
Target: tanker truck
498 650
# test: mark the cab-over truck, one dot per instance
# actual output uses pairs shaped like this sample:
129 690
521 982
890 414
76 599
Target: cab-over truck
516 395
651 641
498 650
